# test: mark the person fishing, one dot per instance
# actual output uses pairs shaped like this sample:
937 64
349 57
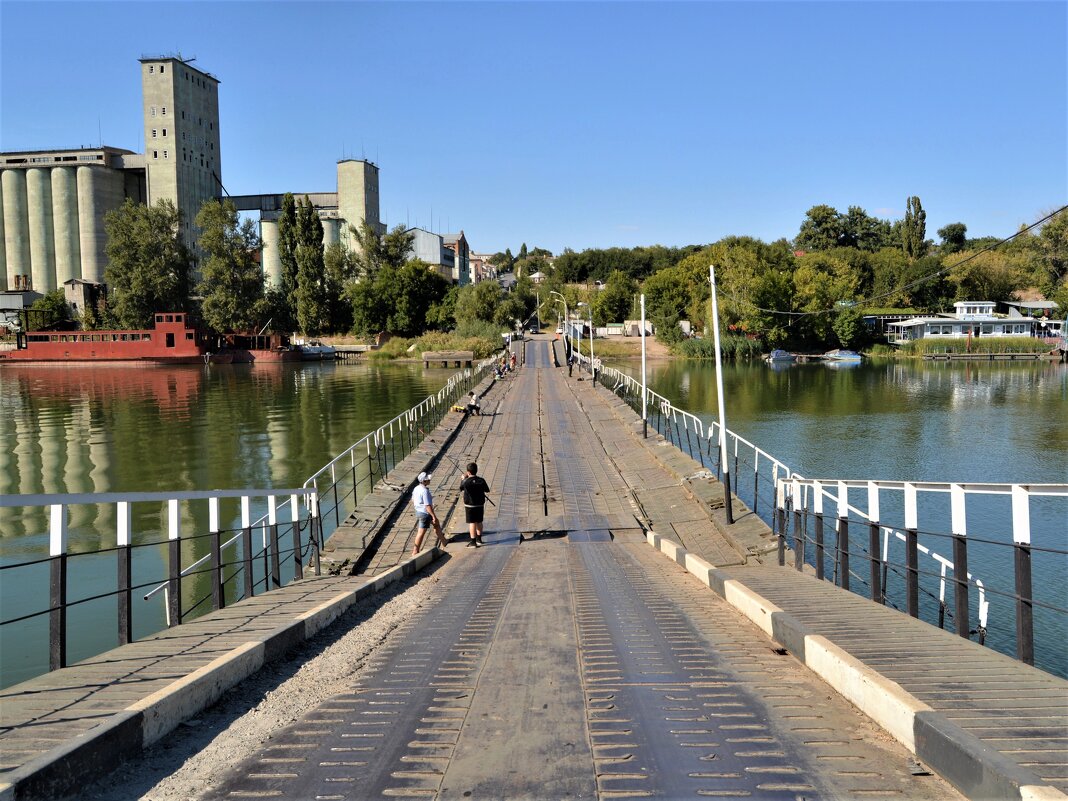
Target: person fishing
474 489
472 404
425 516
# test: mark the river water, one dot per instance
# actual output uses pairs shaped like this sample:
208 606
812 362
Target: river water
76 429
915 421
128 428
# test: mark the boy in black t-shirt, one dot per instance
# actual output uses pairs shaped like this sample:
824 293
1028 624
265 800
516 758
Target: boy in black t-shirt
474 488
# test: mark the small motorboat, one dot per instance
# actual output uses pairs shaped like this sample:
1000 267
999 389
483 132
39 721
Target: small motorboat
842 355
779 357
315 351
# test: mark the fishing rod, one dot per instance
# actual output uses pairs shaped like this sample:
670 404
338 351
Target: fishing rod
458 467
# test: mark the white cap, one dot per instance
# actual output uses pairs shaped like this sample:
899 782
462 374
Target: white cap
424 478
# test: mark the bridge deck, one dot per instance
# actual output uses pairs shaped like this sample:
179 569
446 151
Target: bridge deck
584 663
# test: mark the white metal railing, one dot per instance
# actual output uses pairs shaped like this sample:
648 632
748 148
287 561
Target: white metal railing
805 498
404 426
58 507
682 427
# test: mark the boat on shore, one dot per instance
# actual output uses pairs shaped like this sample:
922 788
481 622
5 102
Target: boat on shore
171 340
780 357
315 351
842 355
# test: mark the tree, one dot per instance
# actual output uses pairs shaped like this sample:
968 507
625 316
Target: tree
848 326
523 251
954 237
312 303
478 301
148 266
48 311
284 302
821 229
613 303
232 282
914 229
864 232
990 275
374 252
1053 250
340 268
398 300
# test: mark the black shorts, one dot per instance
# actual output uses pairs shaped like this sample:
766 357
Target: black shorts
474 513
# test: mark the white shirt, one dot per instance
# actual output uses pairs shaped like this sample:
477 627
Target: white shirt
421 499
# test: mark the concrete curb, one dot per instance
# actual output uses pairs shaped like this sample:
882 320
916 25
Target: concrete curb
61 771
962 759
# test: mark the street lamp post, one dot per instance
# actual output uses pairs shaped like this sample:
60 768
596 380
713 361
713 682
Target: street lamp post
593 371
567 334
722 404
645 393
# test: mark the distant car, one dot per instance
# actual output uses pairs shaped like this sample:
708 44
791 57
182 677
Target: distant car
559 329
533 329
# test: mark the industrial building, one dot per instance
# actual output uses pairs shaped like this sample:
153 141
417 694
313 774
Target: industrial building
54 201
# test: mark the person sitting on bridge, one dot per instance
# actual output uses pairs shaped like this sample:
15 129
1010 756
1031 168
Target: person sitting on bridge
472 405
474 488
425 515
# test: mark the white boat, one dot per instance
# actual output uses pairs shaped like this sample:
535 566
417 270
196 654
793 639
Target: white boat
842 355
317 351
779 357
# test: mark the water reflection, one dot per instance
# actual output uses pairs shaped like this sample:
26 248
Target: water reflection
117 428
944 422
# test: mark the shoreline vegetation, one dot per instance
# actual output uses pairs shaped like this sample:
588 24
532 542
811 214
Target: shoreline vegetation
734 348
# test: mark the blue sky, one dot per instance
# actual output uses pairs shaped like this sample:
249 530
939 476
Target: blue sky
586 124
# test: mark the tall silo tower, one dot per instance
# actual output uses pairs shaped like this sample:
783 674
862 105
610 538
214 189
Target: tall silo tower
182 153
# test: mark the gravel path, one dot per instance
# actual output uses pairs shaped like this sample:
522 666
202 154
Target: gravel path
186 762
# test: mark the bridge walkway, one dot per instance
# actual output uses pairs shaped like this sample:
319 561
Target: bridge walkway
566 658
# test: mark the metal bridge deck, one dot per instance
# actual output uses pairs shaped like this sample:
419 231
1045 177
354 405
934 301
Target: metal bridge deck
584 665
567 658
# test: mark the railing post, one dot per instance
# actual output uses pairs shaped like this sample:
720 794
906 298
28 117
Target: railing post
799 535
316 529
174 580
57 586
960 560
1021 537
246 546
912 555
333 481
817 506
873 544
298 561
843 535
272 533
780 518
218 593
124 521
756 481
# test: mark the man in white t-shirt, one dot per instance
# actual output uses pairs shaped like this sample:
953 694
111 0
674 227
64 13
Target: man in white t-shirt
425 515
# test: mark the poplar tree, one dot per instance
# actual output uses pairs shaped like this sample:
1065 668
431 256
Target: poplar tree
914 229
311 294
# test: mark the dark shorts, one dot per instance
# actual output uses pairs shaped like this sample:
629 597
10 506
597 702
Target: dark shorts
474 513
422 520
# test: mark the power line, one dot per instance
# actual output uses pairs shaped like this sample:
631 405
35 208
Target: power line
911 284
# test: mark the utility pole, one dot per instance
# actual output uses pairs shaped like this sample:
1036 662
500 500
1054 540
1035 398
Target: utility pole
724 463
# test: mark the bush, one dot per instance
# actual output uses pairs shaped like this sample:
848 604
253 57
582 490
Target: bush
919 347
733 347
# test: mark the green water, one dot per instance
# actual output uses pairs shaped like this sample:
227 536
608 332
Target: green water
916 421
117 428
73 429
